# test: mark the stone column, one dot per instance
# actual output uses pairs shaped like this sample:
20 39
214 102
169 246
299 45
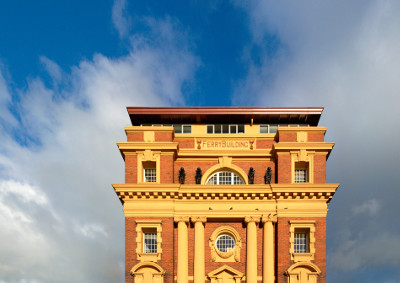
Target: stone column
251 260
268 249
182 274
199 258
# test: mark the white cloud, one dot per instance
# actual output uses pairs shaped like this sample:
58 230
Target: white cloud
371 207
365 252
52 68
344 56
120 18
58 163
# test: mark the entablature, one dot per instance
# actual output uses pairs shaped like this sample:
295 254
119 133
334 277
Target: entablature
128 192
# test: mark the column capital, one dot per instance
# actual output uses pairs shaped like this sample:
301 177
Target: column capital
202 219
269 218
181 219
249 219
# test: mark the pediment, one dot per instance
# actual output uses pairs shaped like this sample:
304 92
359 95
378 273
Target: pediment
225 269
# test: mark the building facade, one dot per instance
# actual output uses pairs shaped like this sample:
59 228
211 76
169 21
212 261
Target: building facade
225 194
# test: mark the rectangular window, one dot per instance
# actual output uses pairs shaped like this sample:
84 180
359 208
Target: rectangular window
149 242
150 175
182 129
178 128
186 129
300 242
300 176
273 128
264 129
225 129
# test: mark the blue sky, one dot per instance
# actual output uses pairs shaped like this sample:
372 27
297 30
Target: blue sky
68 69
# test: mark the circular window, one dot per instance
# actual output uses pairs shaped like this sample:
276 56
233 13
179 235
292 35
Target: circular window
225 243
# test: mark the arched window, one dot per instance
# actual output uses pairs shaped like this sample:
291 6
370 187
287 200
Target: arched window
225 178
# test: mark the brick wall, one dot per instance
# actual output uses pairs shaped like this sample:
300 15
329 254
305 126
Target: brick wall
315 137
284 169
167 169
283 261
135 136
167 258
163 136
319 169
130 169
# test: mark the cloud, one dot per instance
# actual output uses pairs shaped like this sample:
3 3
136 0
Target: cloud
120 18
59 158
343 56
371 207
52 68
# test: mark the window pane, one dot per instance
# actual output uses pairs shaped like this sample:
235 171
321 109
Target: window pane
241 129
300 176
233 129
210 129
150 175
225 178
187 129
178 129
150 242
300 242
264 129
237 180
218 129
225 129
273 128
212 180
225 243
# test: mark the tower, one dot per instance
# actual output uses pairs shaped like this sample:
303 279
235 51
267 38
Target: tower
225 194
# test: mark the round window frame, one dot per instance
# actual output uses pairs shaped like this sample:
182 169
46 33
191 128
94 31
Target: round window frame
231 256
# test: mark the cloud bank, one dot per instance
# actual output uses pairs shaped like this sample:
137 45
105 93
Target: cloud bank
61 219
343 56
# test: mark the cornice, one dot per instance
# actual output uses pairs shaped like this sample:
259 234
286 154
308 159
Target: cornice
130 146
301 129
134 129
257 153
178 192
292 146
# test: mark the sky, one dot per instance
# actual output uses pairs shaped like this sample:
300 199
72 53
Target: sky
68 69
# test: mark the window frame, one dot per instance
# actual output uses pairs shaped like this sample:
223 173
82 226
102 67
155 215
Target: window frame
221 126
230 256
233 176
307 227
142 227
149 234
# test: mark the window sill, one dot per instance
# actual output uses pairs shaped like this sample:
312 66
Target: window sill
149 257
302 257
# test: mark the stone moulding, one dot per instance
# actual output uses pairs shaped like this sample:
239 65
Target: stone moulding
128 192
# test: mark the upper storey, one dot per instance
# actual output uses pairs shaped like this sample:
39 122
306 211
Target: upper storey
225 115
286 142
